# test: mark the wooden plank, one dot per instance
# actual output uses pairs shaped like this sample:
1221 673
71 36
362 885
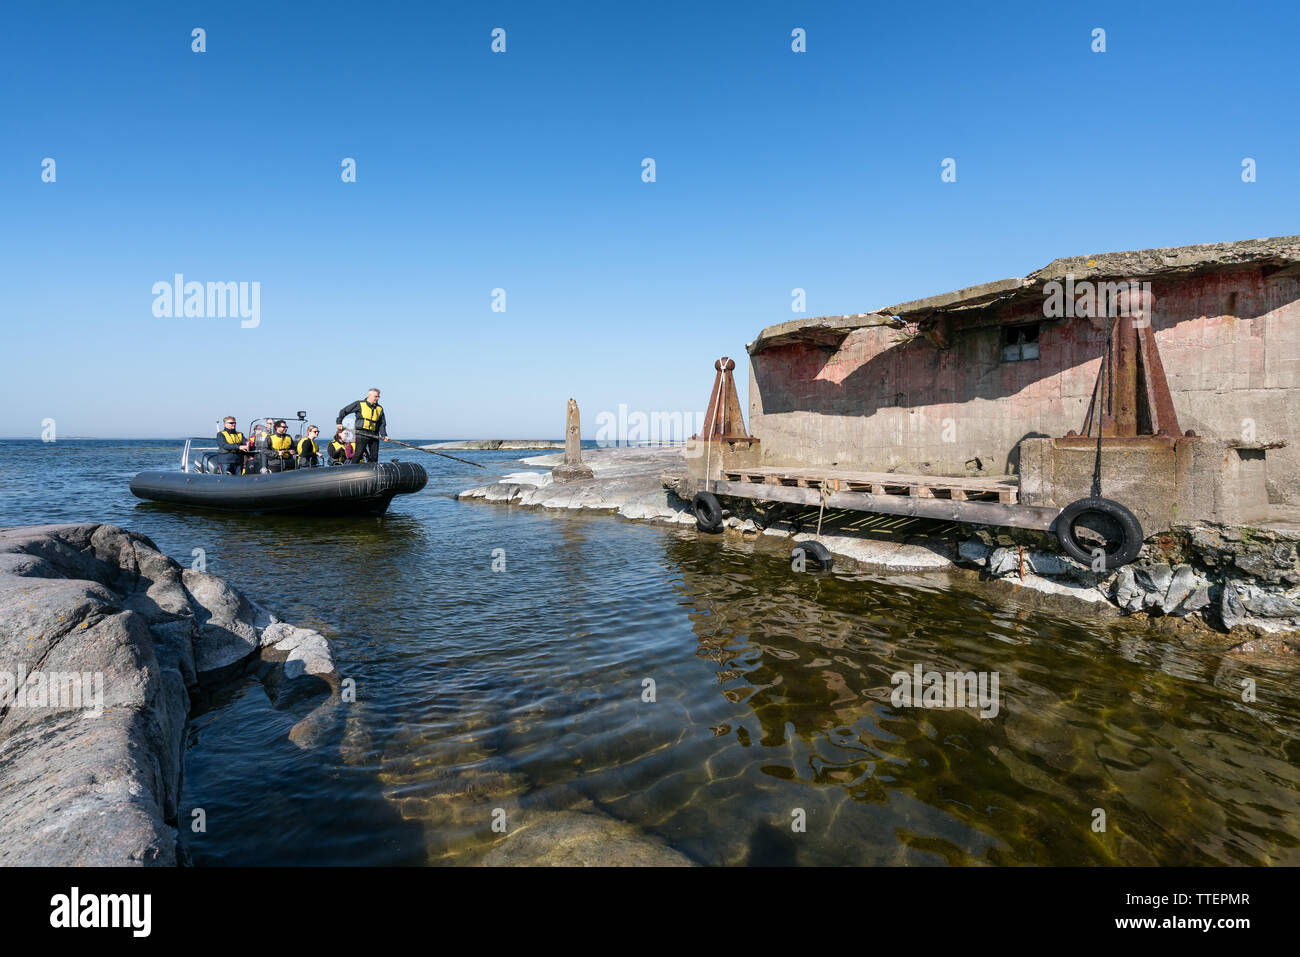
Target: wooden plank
979 513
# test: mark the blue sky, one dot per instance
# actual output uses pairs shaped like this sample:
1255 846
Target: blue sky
522 171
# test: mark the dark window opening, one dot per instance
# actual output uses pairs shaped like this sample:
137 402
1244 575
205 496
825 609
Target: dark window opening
1019 342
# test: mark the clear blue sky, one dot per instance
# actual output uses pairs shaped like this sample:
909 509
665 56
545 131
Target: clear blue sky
522 171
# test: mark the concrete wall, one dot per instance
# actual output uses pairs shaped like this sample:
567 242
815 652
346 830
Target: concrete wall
1230 343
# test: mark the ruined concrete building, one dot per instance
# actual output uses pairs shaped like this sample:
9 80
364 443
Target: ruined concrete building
1198 408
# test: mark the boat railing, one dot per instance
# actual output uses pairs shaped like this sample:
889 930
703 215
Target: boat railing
188 460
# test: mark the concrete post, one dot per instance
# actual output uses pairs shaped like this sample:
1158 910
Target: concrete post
572 470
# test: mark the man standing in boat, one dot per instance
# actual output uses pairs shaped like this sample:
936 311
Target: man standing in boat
370 427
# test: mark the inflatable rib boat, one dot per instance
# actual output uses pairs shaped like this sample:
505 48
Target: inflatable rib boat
333 490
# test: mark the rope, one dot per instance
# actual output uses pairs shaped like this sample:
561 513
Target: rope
821 509
1101 404
708 431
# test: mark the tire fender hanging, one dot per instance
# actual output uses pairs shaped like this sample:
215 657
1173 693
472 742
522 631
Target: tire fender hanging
815 554
708 512
1121 554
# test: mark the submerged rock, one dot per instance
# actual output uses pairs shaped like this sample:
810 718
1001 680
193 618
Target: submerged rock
581 839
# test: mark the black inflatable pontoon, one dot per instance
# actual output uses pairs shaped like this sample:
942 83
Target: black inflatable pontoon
330 490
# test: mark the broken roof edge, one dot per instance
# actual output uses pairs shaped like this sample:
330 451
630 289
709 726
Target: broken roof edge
1150 263
823 330
1132 264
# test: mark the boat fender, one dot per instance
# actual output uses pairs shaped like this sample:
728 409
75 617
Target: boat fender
708 512
815 555
1115 556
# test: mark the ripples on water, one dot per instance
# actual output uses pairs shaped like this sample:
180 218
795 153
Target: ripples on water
522 690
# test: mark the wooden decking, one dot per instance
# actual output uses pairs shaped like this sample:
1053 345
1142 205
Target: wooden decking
987 500
1002 489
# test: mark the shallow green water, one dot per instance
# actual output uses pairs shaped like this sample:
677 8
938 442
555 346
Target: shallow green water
524 690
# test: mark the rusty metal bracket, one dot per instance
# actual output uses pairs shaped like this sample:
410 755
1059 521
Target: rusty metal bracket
723 420
1134 399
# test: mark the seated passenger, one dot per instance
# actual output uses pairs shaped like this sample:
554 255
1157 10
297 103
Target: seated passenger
257 447
340 447
279 445
308 453
231 447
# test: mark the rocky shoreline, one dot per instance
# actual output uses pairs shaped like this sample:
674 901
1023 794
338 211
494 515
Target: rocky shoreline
104 640
516 445
1240 583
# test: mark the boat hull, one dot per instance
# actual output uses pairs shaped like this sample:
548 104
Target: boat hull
335 490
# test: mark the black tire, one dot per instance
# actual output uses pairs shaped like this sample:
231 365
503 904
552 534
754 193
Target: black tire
1118 552
815 554
708 512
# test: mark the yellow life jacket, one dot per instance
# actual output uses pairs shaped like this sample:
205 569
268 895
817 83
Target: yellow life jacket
369 417
282 444
337 446
311 446
234 438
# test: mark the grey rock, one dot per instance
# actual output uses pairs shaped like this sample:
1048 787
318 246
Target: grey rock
1206 539
973 553
173 643
224 617
1155 579
90 773
1054 565
1267 603
1126 590
1231 610
1184 581
1258 565
1004 561
1194 602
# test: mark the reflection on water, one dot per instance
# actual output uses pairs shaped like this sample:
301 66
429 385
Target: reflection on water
521 696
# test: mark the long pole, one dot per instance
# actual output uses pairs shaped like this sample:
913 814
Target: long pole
430 451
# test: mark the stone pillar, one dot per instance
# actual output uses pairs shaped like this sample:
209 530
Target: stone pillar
572 470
